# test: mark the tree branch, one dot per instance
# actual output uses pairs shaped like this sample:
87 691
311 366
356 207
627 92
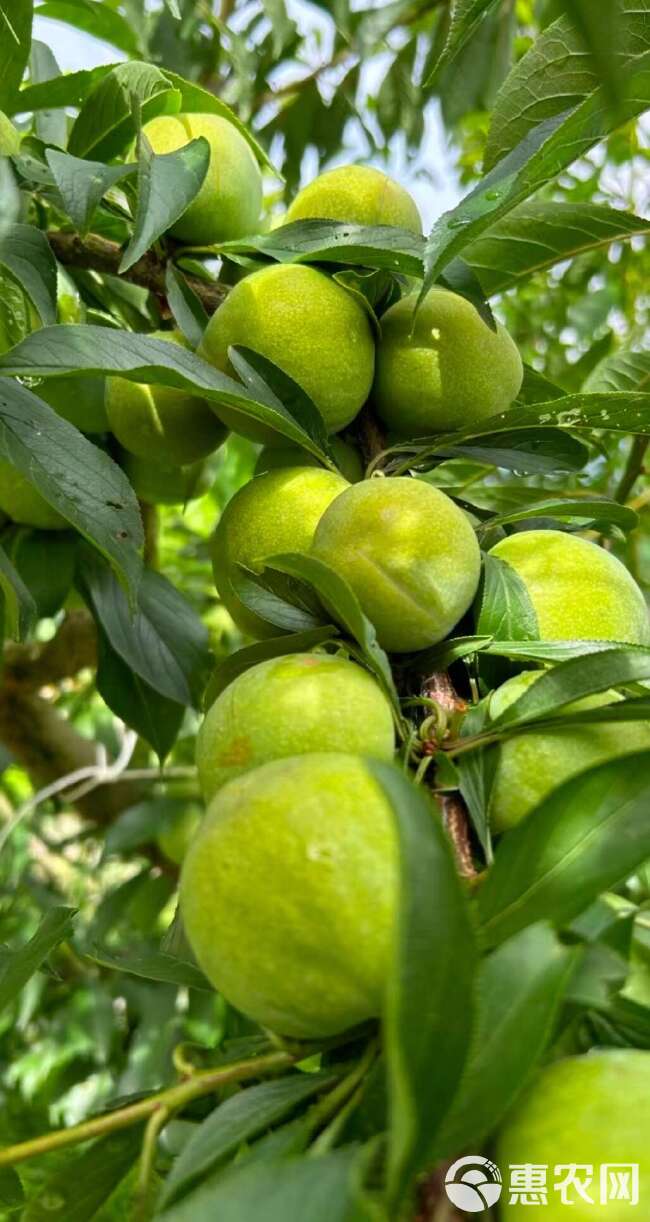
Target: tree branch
100 255
633 468
438 687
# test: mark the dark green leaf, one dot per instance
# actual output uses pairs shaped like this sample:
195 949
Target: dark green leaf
19 608
11 1189
530 450
575 678
167 184
25 253
156 718
68 90
73 475
590 508
154 965
432 977
238 1120
466 16
586 837
106 123
519 989
599 26
50 125
20 965
76 1191
476 771
243 659
505 610
312 241
15 41
96 18
267 383
196 100
549 651
83 184
287 604
184 304
615 412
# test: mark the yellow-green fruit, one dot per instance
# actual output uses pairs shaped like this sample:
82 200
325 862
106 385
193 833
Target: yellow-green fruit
276 512
81 401
164 483
160 423
579 591
175 839
446 370
310 702
347 459
532 764
308 325
359 195
21 501
409 554
590 1111
288 894
229 202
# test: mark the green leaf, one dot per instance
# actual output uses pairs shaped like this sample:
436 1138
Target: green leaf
504 609
73 475
600 28
154 965
623 370
586 837
614 412
590 509
313 241
274 647
184 304
519 989
11 1190
537 235
106 123
430 991
19 966
466 17
165 642
167 184
531 450
142 823
51 126
70 89
550 651
281 601
196 100
25 253
83 184
237 1121
153 716
15 42
576 678
76 1191
18 605
83 349
96 18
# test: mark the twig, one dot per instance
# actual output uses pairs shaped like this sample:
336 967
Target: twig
150 525
101 255
369 435
633 468
439 688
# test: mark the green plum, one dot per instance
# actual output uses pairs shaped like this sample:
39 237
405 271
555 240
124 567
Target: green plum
165 483
23 503
80 401
358 194
175 838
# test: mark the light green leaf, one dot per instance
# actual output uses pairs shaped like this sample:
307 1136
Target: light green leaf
70 89
25 253
96 18
153 965
19 965
575 678
15 41
83 184
313 241
466 16
623 370
504 609
107 121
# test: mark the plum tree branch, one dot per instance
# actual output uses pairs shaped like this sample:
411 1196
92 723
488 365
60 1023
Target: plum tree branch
101 255
439 688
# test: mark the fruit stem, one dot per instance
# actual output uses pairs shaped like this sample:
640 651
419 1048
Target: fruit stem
633 468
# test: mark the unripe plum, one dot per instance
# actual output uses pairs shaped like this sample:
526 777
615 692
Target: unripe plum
174 840
579 591
347 459
586 1111
310 327
165 483
532 764
229 202
290 706
81 401
288 894
408 552
23 503
359 195
276 512
443 370
160 423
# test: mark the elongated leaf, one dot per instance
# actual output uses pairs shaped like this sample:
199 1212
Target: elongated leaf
152 966
76 1191
519 989
466 16
15 41
527 449
184 304
236 1121
505 609
274 647
97 19
50 125
476 772
598 509
68 90
19 606
432 977
12 1195
20 965
106 123
576 678
314 241
74 476
584 838
623 370
539 234
267 383
25 253
614 412
165 642
153 716
600 27
83 184
167 184
84 349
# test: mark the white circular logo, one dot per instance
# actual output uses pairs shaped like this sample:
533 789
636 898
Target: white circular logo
473 1183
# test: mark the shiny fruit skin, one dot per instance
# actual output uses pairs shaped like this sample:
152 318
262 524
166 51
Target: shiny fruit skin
165 483
310 327
229 202
409 554
446 371
348 460
531 765
160 423
288 706
288 894
579 591
23 503
358 194
591 1110
276 512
